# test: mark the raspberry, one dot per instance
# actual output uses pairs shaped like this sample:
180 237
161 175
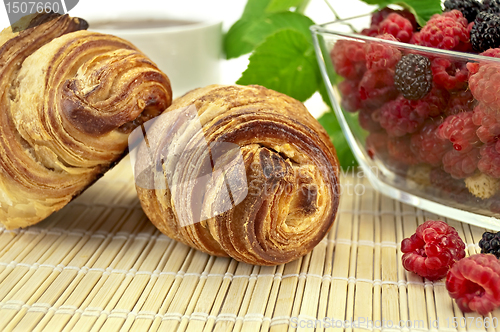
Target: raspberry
372 31
490 160
454 188
460 130
491 6
449 75
485 33
377 87
399 149
413 77
485 85
366 121
490 244
469 8
427 145
351 100
381 55
348 58
461 165
376 144
398 26
461 101
434 103
432 250
488 122
473 67
379 15
445 31
399 117
474 283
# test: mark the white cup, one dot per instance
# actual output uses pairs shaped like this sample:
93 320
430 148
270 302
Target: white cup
188 52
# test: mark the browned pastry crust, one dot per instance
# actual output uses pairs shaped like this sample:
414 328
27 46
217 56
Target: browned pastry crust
292 175
68 100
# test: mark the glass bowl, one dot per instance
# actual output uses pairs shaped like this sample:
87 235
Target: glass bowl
436 151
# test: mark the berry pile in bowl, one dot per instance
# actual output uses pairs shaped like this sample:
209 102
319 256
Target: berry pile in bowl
420 105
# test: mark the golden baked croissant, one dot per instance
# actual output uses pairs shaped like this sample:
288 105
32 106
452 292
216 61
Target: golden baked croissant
268 201
68 100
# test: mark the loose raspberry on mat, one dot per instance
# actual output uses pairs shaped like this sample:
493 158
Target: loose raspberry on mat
461 165
460 130
490 244
348 58
432 250
427 145
398 26
381 55
490 159
474 283
446 31
449 74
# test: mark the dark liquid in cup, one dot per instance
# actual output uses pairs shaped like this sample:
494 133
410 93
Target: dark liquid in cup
143 24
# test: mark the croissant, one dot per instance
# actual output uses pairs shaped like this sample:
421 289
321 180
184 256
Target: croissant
239 171
68 100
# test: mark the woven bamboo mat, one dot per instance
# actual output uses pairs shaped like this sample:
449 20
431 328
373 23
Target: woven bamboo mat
99 265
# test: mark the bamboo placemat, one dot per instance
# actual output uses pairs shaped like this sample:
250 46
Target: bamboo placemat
99 265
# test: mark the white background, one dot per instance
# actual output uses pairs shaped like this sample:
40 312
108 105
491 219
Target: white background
228 11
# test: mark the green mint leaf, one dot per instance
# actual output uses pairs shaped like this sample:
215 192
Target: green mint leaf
255 8
234 43
282 5
272 23
247 33
284 62
332 127
422 9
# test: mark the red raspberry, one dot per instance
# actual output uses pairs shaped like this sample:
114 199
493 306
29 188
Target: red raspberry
372 31
473 67
376 144
460 130
446 31
400 150
474 283
351 100
490 160
380 15
381 55
456 189
348 58
461 165
427 145
398 26
366 121
433 103
377 87
461 101
449 75
485 85
399 117
488 122
432 250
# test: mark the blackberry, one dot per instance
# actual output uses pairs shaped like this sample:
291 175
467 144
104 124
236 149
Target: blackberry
469 8
490 244
413 77
485 33
491 6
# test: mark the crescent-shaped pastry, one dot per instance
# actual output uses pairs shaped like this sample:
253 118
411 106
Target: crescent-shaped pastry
239 171
68 100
